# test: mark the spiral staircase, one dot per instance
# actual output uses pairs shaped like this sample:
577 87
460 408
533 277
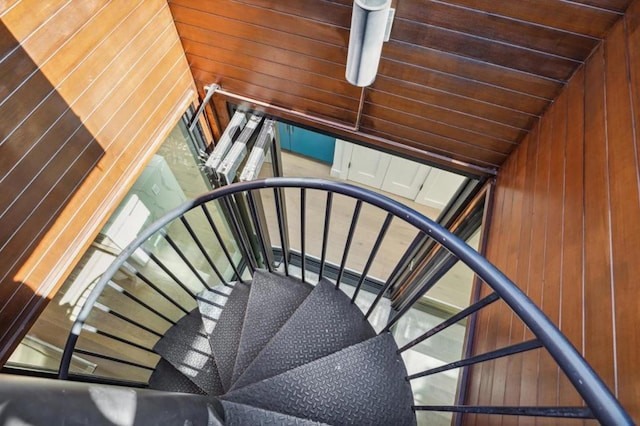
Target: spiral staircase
279 351
266 345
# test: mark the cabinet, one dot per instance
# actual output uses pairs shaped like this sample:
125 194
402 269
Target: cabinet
418 182
305 142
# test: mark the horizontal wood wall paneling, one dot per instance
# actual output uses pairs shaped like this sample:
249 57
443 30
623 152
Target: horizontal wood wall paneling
7 4
377 140
488 66
25 176
24 19
479 125
472 69
624 196
65 245
122 172
428 125
613 5
462 86
598 309
120 121
278 98
498 28
85 89
271 19
59 29
219 70
450 145
98 34
39 110
62 27
55 152
97 99
330 79
106 95
322 11
567 16
451 101
195 20
264 51
397 132
502 54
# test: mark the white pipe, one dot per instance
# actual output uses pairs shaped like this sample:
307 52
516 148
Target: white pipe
368 27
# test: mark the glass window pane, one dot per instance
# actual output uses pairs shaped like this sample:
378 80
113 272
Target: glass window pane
171 177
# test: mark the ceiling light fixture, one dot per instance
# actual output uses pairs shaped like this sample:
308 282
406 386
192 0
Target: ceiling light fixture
370 27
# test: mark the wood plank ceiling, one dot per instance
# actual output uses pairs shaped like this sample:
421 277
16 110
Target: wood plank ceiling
464 79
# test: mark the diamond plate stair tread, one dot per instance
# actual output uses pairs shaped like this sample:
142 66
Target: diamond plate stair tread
242 415
167 378
186 347
272 300
225 337
325 323
210 305
361 384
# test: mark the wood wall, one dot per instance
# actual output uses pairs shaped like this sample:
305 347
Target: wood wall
459 79
566 228
88 90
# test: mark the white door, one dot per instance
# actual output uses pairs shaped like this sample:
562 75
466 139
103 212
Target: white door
404 177
438 188
368 166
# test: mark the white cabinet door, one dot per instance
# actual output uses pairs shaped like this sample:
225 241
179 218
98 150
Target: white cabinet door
438 188
404 177
368 166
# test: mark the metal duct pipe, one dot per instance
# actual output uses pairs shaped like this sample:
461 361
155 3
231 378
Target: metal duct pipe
368 27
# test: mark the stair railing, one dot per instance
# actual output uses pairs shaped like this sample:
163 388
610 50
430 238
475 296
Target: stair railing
600 402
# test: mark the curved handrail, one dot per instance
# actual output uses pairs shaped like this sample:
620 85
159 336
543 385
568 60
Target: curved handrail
595 393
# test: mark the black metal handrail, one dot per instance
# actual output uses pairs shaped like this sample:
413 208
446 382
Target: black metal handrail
601 403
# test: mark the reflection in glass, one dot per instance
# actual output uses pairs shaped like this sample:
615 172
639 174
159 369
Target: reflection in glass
171 177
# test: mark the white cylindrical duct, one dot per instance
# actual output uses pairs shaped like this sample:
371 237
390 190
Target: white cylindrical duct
368 25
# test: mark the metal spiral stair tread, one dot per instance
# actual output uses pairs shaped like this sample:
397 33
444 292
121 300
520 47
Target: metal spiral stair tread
280 351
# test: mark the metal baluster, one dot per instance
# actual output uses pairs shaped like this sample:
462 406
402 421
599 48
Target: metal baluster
94 330
185 260
499 353
303 210
345 253
405 260
452 320
448 262
325 235
285 252
202 249
159 291
130 296
171 274
110 358
256 221
116 314
563 412
214 228
374 251
243 247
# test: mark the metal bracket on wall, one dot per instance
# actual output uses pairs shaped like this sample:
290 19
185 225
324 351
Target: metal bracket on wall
210 90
